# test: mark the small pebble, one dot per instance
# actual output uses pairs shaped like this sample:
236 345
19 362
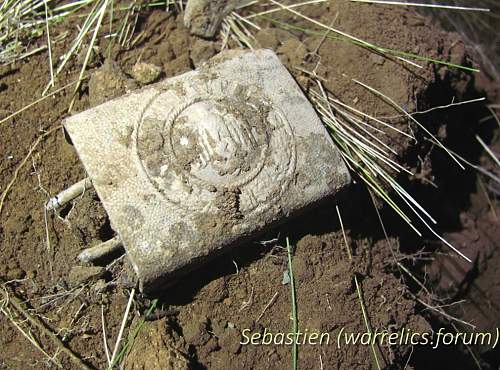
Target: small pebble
146 73
286 278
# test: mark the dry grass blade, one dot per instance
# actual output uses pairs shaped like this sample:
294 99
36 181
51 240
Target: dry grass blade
492 108
477 167
235 29
132 336
114 358
488 150
49 45
271 301
446 106
357 111
446 315
105 341
471 352
362 161
77 43
344 34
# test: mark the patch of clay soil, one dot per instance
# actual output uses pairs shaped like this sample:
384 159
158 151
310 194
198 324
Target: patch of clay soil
198 322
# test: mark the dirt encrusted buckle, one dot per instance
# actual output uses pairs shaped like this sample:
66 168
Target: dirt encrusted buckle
200 162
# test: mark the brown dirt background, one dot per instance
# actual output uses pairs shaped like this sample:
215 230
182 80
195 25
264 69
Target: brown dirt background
206 311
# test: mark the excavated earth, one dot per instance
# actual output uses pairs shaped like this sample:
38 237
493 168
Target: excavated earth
198 323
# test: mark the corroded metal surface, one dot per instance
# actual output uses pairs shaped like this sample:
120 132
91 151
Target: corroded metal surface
200 162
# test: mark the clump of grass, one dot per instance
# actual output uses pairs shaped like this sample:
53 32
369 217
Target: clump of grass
369 157
23 21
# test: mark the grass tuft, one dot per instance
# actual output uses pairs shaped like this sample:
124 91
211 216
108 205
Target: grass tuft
369 161
23 21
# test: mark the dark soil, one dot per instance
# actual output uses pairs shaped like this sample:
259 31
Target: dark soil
198 322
